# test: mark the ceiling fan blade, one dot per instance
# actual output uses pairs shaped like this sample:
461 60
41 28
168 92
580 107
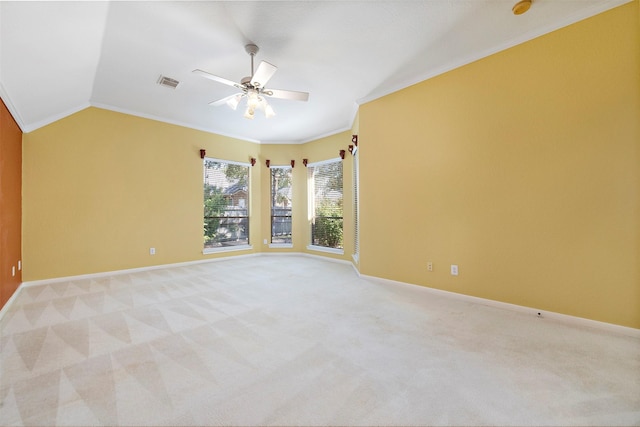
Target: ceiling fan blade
217 79
225 100
287 94
262 75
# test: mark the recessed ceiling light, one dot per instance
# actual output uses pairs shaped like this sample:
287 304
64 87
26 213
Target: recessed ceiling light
521 7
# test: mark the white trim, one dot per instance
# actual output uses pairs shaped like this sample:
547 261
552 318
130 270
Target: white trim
306 255
327 250
349 128
558 317
56 117
279 142
324 162
12 108
223 249
207 251
582 14
30 127
127 271
355 268
280 245
31 283
562 318
5 308
321 257
170 122
231 162
196 127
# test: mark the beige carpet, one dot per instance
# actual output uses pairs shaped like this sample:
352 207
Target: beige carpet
295 340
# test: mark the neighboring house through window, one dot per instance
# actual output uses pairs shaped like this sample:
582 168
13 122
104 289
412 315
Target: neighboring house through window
226 205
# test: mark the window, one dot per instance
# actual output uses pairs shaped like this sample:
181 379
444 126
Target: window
325 188
356 206
281 205
226 205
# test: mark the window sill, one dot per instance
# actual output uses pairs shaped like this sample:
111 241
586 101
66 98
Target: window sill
327 250
280 245
226 249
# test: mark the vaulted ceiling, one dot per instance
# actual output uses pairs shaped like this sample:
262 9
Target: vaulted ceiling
57 58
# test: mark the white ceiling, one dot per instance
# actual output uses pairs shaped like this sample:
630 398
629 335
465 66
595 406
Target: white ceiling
57 58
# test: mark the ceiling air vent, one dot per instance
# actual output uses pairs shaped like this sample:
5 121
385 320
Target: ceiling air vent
168 82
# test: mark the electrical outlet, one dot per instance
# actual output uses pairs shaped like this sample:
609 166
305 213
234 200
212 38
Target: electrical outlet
454 270
264 241
430 266
152 251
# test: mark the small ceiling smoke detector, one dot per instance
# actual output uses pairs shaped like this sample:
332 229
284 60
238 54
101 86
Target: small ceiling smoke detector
168 82
521 7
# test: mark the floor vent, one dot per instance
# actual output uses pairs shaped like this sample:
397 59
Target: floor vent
168 82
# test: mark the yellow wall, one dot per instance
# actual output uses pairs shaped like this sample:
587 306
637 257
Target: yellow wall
101 188
523 168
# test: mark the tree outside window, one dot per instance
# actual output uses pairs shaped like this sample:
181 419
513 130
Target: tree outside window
327 223
226 207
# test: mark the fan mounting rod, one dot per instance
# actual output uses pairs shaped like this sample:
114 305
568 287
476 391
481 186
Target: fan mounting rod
251 49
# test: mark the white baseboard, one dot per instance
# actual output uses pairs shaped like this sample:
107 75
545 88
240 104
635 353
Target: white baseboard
111 273
152 267
129 270
12 298
558 317
325 258
172 265
563 318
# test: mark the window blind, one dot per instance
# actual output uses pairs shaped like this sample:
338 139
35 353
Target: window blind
356 206
226 204
281 205
325 185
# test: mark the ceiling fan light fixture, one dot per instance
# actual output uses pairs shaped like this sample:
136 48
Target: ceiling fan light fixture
252 98
253 88
250 113
268 111
233 102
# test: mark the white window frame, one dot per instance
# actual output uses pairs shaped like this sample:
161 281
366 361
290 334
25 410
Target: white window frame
356 206
244 247
278 245
311 206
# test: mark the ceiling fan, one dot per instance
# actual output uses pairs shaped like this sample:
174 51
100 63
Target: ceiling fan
253 88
